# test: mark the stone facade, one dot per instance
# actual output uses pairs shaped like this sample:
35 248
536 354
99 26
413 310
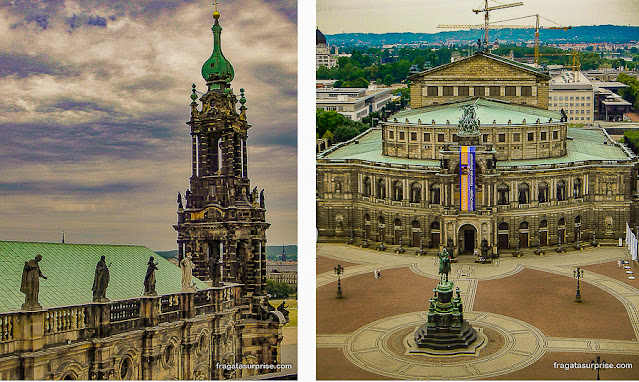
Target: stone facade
175 336
481 75
567 186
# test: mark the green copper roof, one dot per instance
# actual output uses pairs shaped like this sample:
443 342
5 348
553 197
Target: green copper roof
369 148
217 67
487 112
586 144
70 269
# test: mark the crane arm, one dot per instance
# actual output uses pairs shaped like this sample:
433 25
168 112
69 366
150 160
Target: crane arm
481 26
498 7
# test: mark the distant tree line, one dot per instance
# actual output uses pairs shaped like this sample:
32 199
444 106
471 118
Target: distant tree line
365 65
631 93
279 290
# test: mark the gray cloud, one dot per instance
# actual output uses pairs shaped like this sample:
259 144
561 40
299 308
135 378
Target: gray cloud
24 65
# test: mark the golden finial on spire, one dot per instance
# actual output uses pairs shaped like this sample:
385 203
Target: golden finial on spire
216 14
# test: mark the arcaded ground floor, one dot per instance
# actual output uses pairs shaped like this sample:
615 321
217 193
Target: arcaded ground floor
525 307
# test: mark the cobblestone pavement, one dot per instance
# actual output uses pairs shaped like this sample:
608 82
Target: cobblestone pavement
367 347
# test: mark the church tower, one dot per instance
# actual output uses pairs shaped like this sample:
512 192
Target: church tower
221 224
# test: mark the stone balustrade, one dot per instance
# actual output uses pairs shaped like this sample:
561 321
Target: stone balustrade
35 330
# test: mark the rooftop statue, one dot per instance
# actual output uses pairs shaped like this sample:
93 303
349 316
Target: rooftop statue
187 266
31 283
468 122
101 280
149 279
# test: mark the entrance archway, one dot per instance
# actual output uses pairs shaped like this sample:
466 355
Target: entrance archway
467 237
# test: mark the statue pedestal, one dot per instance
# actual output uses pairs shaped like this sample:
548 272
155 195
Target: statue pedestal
446 328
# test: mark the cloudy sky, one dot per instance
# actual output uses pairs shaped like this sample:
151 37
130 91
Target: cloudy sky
423 16
93 99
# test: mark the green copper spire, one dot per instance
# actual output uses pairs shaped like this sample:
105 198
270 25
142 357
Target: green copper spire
217 67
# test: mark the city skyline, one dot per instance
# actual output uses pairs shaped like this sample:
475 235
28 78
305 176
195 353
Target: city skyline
335 16
93 100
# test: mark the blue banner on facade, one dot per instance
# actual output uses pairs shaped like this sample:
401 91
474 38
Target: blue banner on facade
467 178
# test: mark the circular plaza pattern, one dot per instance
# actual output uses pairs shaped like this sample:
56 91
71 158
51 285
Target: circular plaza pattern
530 330
368 348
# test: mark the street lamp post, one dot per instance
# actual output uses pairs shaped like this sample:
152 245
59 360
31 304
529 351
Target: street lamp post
578 274
339 270
597 364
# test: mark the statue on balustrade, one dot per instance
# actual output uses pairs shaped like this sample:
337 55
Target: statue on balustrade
101 281
215 268
31 283
149 279
187 266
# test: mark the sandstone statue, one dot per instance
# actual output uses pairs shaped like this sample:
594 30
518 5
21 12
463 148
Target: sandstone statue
149 279
31 283
100 280
187 266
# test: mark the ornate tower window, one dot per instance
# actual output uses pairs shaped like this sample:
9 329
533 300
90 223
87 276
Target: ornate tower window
415 193
381 189
502 194
524 194
561 190
543 192
398 191
577 189
435 191
367 186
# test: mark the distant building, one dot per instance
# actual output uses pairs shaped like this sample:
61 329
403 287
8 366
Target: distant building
283 258
323 56
573 92
353 103
282 272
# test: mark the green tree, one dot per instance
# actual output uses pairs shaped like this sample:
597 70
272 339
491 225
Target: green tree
389 80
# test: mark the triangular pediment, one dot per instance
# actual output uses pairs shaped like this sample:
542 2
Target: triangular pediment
483 66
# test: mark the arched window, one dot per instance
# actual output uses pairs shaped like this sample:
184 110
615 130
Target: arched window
338 187
398 191
367 218
524 193
578 220
398 223
576 189
381 189
503 226
543 192
562 223
434 226
415 193
561 190
367 186
543 224
435 191
523 225
502 194
415 224
380 220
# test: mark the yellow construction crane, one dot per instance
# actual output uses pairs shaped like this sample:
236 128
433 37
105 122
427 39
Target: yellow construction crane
487 10
537 27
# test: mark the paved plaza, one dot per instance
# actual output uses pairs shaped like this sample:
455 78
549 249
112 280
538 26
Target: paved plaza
523 305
